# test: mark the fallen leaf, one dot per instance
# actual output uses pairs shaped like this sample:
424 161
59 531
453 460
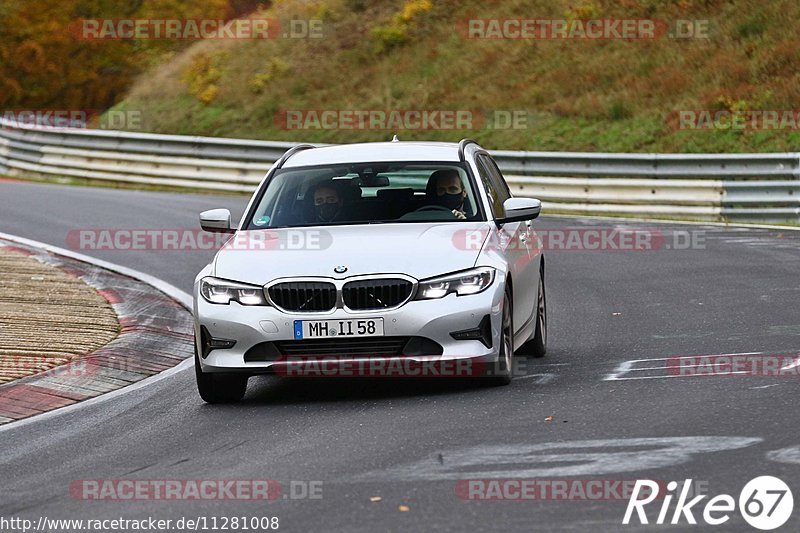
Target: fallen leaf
404 508
548 418
375 499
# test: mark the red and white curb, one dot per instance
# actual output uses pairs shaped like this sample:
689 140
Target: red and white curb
156 335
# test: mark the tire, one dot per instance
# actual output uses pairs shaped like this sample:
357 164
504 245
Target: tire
537 346
503 367
219 388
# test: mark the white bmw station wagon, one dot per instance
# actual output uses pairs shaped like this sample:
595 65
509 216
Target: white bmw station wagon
354 259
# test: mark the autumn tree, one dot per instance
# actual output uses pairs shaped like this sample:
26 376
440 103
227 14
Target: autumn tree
46 63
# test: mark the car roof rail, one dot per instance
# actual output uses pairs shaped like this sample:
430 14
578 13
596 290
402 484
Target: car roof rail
291 151
462 146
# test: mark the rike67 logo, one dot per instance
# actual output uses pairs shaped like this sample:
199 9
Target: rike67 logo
765 503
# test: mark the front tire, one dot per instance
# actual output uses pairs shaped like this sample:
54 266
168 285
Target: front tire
537 346
503 367
219 388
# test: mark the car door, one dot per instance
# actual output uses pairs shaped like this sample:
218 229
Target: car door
531 271
513 238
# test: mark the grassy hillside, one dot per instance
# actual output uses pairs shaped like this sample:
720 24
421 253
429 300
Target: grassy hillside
593 95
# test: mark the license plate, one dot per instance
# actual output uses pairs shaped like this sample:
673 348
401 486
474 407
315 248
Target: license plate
317 329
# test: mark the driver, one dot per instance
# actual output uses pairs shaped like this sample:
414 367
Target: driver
327 203
448 191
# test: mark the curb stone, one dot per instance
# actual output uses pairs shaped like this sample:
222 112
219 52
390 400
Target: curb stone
157 334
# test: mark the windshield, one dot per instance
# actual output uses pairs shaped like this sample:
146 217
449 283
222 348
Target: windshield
367 193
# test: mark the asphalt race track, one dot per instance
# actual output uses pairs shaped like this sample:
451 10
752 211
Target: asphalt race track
614 316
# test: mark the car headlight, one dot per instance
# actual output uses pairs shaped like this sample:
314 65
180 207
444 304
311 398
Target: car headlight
462 283
220 291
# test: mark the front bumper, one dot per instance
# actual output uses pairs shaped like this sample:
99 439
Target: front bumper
430 319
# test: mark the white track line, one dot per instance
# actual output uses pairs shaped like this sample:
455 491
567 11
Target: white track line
543 378
792 365
628 367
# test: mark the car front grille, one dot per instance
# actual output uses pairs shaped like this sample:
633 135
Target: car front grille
363 347
376 293
299 296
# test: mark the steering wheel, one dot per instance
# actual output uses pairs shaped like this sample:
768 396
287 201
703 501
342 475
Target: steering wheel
433 207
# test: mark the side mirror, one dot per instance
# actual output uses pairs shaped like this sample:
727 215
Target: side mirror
519 209
216 221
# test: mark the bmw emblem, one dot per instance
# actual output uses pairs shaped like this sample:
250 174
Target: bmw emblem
341 269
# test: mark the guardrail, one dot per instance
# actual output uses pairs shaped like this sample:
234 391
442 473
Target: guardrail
720 187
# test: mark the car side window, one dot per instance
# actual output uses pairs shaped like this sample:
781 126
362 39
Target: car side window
497 176
496 197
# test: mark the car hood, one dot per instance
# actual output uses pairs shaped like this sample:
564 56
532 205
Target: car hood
420 250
